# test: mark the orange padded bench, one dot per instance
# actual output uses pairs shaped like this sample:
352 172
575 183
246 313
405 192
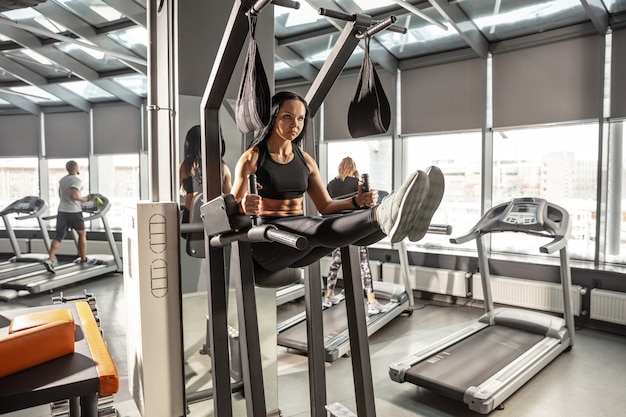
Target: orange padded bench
54 353
28 333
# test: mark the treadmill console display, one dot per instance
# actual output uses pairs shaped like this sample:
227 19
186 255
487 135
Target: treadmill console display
531 215
522 213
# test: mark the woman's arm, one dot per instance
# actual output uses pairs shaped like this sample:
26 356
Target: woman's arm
227 184
249 203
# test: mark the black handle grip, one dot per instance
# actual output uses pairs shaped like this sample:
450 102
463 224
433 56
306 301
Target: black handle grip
366 182
398 29
440 229
382 25
259 5
287 3
337 15
253 189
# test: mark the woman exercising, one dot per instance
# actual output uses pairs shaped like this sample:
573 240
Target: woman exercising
285 172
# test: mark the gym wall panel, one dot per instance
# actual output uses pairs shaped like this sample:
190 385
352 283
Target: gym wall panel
618 74
19 135
550 83
67 135
443 97
116 130
338 101
202 25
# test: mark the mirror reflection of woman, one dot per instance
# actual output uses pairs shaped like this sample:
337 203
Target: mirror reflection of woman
190 169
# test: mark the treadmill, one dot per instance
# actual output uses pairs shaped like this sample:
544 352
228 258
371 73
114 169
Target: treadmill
25 208
73 272
292 333
486 362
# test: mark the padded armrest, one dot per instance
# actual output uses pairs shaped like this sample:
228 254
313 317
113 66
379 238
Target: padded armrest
36 338
30 320
108 378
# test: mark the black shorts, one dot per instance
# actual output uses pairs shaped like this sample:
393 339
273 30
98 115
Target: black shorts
67 221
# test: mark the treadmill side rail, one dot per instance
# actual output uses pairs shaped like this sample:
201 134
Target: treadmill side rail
491 393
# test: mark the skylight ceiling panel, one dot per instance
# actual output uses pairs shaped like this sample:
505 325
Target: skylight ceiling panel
421 39
95 12
37 63
94 59
293 22
316 51
501 20
134 39
615 6
137 83
31 17
88 91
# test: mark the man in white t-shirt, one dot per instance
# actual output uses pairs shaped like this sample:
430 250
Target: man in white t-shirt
70 215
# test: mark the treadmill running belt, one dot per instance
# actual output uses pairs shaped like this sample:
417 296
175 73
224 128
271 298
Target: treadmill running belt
472 360
335 322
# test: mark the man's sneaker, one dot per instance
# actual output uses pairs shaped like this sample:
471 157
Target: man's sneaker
87 261
328 302
430 204
49 264
399 209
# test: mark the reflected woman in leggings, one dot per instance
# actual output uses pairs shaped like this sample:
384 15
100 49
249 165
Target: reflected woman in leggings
346 183
285 173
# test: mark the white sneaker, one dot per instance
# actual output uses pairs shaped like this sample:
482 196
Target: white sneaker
49 266
398 210
328 302
375 307
436 187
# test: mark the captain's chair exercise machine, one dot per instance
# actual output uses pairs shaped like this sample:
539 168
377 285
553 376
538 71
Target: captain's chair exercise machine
223 229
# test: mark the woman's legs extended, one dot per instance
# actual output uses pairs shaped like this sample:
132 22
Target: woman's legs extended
396 217
323 234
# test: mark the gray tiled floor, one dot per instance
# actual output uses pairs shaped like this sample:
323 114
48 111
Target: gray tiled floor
587 381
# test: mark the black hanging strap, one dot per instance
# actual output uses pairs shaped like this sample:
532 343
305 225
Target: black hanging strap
369 112
252 108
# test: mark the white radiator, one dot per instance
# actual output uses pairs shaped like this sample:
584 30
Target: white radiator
435 280
327 260
546 296
608 306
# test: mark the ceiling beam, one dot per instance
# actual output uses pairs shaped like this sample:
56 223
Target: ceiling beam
21 103
120 92
464 26
379 54
83 29
598 14
296 62
34 79
69 64
130 9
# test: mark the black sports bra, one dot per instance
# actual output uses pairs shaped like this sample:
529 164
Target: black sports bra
282 181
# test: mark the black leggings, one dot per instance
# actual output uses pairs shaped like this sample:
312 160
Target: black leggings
324 234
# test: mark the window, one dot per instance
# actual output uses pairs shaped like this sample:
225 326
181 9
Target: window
118 180
371 156
458 155
19 177
557 163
